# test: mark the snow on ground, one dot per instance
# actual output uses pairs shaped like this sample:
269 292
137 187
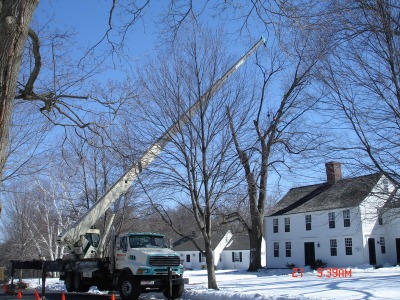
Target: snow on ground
365 283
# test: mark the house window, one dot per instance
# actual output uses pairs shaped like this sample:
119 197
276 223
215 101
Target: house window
331 217
333 245
287 224
308 222
202 257
187 257
288 248
237 256
385 185
275 225
383 245
380 218
276 249
346 218
348 243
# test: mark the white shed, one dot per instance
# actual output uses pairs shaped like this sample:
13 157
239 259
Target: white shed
231 251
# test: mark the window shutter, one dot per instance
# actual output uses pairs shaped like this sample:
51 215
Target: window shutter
240 255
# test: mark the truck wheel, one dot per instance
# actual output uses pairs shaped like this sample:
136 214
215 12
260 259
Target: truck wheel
69 281
177 291
103 286
129 289
78 284
84 288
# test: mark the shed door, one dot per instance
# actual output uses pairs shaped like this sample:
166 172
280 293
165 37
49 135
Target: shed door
372 253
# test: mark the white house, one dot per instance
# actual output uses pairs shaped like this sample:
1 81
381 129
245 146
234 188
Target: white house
231 251
343 222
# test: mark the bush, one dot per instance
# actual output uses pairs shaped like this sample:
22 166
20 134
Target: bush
318 264
204 267
290 266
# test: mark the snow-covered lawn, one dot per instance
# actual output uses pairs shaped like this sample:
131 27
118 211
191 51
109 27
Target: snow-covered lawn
364 283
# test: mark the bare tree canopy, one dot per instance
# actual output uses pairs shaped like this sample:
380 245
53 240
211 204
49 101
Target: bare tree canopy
15 18
193 173
362 74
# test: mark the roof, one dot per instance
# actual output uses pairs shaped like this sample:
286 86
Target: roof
238 242
394 200
189 246
343 193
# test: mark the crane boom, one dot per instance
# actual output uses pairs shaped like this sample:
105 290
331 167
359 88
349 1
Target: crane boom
84 223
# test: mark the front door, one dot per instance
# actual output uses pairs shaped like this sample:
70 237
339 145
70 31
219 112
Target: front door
398 250
372 253
309 254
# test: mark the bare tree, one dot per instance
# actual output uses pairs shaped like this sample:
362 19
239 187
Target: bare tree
26 152
15 227
16 17
362 74
49 79
193 172
279 126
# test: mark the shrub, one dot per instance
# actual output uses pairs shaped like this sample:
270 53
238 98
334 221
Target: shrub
290 265
318 264
204 267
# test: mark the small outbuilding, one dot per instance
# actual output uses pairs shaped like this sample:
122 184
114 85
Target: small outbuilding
231 251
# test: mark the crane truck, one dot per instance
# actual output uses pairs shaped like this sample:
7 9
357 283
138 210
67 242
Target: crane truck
139 262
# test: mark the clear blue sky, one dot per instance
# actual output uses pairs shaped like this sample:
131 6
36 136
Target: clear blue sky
89 19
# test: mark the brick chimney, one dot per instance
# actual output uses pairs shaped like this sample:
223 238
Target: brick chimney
333 171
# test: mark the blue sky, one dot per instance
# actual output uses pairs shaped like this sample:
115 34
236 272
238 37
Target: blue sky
89 19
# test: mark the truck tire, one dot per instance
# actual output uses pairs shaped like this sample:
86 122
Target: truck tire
78 284
177 291
103 286
84 288
128 287
69 281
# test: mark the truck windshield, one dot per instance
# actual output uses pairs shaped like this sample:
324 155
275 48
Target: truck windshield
146 241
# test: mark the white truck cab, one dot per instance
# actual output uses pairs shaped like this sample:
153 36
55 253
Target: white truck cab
144 262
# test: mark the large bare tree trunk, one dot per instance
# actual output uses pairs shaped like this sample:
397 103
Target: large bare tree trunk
212 280
255 236
15 18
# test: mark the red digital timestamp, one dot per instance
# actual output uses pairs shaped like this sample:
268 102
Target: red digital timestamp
325 272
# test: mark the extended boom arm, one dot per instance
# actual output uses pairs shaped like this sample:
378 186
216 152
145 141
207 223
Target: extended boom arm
84 223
